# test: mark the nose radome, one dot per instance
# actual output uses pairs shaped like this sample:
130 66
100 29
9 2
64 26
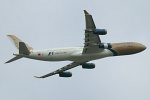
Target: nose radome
141 47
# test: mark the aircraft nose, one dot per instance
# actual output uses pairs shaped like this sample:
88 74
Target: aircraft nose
128 48
140 47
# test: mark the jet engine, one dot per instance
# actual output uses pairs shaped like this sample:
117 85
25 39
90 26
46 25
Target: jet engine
65 74
105 46
88 65
100 31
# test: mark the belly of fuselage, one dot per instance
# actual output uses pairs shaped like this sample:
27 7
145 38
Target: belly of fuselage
79 57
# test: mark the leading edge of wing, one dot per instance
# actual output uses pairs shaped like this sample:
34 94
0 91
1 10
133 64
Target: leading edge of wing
69 66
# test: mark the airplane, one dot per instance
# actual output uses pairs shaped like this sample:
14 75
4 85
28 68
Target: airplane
93 49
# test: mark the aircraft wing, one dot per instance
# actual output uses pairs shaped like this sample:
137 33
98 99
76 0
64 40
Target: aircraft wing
69 66
91 40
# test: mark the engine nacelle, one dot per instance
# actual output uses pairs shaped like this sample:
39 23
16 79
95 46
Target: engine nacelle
88 65
100 31
105 46
65 74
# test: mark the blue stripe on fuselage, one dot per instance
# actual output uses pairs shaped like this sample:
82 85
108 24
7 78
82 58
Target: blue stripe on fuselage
114 52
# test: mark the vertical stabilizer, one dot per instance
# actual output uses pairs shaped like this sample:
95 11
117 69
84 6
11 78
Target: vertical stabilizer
16 41
23 48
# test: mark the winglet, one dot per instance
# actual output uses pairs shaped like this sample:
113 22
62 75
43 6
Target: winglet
85 12
36 77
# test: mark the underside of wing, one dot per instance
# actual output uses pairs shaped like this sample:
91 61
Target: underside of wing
91 41
89 21
61 70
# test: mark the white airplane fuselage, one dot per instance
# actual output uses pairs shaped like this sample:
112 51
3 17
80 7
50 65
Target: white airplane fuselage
75 53
66 54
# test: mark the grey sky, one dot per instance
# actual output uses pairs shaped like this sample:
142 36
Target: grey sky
44 24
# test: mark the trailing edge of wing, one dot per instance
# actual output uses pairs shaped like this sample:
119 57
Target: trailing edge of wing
69 66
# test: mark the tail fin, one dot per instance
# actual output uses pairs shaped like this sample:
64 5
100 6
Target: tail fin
16 41
24 49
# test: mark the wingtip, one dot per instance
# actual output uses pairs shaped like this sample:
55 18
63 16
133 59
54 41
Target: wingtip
36 77
9 35
85 12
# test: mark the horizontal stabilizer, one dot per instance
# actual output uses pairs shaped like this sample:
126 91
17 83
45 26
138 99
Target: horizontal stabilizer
13 59
23 48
